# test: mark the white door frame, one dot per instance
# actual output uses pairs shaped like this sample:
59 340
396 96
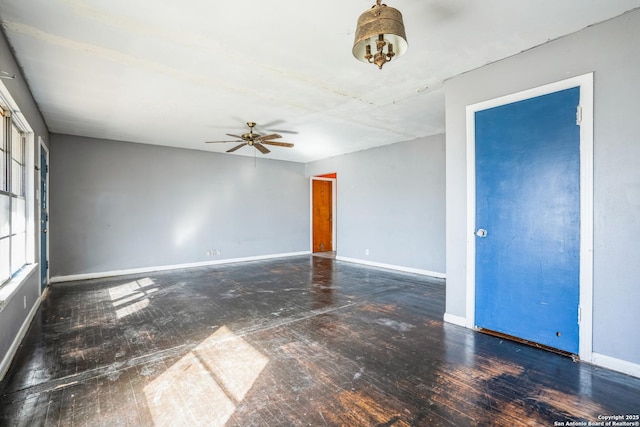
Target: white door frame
585 111
44 148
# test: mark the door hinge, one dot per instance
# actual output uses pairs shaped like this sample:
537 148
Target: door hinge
578 115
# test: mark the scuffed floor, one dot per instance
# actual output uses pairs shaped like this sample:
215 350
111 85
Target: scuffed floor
303 341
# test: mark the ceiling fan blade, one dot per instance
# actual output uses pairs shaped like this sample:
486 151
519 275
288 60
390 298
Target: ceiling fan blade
235 136
278 143
269 127
215 142
272 136
261 148
236 147
292 132
271 123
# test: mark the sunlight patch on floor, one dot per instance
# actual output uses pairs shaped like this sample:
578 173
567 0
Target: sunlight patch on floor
205 386
131 297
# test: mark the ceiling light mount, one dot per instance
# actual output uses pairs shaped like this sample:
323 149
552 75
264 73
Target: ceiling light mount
381 27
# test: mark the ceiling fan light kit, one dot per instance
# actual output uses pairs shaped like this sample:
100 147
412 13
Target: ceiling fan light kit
378 28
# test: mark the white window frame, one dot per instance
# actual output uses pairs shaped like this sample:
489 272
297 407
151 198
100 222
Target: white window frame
7 103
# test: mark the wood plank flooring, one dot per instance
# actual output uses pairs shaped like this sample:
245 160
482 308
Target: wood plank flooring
302 341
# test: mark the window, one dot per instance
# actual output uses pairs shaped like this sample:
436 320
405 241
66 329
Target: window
13 206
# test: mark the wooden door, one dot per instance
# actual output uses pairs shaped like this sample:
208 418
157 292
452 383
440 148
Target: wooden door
322 215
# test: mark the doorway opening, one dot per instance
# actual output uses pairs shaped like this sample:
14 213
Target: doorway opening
323 214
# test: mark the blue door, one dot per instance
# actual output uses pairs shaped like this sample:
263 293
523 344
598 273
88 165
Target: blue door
44 220
528 219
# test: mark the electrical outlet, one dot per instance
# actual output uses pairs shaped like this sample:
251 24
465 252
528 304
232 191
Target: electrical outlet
366 251
208 253
217 252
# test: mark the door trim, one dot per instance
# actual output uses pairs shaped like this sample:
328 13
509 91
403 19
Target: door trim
334 213
43 148
585 316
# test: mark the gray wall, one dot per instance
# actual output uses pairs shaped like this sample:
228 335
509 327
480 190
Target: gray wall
391 201
118 205
13 314
610 50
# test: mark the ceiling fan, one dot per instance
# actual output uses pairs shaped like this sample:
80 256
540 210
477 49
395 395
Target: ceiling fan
255 140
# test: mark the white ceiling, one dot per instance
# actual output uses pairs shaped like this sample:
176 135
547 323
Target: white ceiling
181 73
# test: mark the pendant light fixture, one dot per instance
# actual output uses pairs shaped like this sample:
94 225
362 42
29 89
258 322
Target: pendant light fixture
380 35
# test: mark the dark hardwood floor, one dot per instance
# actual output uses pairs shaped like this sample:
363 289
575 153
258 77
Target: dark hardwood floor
303 341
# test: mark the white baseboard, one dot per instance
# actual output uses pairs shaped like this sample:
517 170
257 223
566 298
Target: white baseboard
11 352
103 274
456 320
615 364
433 274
